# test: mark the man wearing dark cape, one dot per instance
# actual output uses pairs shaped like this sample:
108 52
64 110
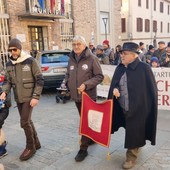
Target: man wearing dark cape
134 93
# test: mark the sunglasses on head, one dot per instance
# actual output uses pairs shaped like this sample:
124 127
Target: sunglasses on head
14 49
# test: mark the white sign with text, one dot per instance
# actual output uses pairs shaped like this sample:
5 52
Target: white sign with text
162 76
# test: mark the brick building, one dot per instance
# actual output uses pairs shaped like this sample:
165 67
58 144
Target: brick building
51 24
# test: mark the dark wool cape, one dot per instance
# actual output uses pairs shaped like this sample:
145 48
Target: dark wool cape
141 120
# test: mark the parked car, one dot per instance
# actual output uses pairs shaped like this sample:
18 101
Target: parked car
54 66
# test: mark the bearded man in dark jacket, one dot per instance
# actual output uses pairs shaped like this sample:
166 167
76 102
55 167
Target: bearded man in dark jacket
24 76
134 92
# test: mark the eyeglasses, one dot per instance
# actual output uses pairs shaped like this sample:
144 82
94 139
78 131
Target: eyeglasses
76 44
14 49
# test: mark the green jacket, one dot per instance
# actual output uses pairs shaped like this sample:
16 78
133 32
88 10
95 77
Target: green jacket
25 77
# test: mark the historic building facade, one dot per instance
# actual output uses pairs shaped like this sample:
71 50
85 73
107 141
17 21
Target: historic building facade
147 21
39 24
52 24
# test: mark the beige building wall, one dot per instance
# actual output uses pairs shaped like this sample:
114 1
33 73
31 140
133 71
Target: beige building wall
131 11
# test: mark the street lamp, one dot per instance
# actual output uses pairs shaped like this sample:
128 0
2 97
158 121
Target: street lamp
105 26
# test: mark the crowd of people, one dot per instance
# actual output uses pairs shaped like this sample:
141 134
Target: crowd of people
159 57
131 90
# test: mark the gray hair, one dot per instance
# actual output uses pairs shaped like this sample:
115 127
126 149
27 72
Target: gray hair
80 38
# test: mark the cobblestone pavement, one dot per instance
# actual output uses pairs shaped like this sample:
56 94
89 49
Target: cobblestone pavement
57 126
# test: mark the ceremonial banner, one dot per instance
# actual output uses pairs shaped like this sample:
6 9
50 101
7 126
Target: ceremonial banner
96 120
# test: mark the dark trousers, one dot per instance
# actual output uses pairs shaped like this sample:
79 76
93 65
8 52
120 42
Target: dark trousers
25 111
4 112
84 140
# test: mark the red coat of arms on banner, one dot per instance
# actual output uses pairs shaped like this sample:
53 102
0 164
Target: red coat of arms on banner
96 120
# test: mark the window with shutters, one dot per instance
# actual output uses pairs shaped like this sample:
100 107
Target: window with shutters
147 4
154 5
147 25
161 25
139 3
161 7
123 24
139 24
154 26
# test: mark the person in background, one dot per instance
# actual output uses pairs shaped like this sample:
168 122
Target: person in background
134 93
142 51
4 112
117 57
154 62
91 47
100 54
142 47
148 55
165 59
161 51
84 73
24 76
108 51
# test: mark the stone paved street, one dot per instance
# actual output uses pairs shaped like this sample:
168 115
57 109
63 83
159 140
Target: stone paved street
57 126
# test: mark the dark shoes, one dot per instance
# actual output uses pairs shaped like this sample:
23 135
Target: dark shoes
37 144
28 153
3 151
81 155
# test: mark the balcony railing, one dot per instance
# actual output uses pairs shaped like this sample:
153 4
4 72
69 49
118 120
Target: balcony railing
47 7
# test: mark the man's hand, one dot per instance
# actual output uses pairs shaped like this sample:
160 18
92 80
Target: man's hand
3 96
116 93
34 102
81 88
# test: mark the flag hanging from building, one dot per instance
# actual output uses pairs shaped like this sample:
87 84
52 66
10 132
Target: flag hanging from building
41 3
52 5
62 7
96 120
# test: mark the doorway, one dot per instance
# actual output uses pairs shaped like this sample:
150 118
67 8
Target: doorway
36 39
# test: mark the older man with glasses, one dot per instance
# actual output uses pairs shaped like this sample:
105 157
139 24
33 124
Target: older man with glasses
83 74
134 92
